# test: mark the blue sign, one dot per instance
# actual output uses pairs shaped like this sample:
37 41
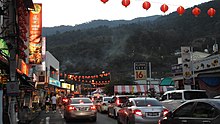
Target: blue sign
54 82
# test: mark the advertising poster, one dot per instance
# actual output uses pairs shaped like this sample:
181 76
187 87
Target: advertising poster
35 44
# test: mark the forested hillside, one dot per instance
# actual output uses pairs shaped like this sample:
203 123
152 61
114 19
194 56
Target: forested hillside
115 49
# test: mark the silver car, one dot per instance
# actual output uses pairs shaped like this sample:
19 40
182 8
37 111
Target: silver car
80 108
141 110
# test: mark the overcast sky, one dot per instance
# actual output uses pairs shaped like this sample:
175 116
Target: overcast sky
72 12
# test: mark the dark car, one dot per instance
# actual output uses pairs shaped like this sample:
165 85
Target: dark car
198 111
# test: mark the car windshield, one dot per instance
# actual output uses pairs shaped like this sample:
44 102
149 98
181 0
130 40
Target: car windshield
195 95
107 98
80 101
146 102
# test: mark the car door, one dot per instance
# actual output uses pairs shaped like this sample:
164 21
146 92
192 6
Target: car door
204 113
183 114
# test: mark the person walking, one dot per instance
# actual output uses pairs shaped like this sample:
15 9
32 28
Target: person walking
54 102
47 103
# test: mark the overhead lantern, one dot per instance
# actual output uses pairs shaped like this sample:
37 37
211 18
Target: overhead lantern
196 11
211 12
180 10
104 1
146 5
125 2
164 8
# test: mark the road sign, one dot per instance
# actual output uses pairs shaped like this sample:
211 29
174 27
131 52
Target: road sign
140 70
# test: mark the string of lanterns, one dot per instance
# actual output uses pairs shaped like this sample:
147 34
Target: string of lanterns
99 79
164 8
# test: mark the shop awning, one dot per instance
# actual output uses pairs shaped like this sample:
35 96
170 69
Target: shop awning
167 82
25 82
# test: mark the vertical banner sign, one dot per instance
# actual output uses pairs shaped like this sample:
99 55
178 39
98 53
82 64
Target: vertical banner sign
187 65
1 106
140 70
35 46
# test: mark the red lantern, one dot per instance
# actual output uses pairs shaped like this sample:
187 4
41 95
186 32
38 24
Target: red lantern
164 8
196 11
180 10
125 2
146 5
211 12
104 1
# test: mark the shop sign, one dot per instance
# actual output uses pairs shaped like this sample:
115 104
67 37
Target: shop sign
54 82
12 88
207 63
140 70
66 85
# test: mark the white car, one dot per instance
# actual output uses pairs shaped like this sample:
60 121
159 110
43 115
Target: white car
102 106
172 99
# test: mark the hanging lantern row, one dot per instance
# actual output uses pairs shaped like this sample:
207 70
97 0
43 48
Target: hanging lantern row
164 8
71 76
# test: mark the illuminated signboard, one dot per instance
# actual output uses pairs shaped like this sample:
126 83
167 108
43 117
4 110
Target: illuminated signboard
54 82
35 34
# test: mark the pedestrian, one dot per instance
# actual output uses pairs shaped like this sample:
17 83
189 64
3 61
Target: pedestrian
47 103
54 102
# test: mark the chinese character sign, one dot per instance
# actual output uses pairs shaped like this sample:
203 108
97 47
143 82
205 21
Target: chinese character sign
35 34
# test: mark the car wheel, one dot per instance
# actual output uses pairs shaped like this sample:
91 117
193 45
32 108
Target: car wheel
118 121
115 114
109 113
94 119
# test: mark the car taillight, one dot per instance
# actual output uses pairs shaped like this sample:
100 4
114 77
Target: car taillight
65 100
71 108
137 112
165 111
117 102
92 108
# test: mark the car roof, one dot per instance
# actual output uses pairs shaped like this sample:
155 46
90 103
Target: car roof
215 102
171 91
143 98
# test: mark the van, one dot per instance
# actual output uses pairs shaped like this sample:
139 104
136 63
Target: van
172 99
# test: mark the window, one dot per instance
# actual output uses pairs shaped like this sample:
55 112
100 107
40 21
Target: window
188 95
145 102
185 110
175 96
204 110
80 101
164 97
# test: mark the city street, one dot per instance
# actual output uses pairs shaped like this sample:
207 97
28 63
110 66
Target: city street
57 118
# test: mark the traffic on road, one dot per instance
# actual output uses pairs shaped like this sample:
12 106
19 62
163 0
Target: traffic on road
196 108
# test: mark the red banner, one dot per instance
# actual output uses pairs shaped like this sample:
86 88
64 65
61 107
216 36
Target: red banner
35 44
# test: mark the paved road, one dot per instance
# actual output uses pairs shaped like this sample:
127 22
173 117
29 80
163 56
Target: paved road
57 118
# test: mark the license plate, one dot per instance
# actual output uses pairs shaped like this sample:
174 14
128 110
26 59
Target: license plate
152 114
82 108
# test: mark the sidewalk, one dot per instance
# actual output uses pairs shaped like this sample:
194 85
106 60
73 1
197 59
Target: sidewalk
28 115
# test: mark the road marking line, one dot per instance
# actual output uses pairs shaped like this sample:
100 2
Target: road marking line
47 120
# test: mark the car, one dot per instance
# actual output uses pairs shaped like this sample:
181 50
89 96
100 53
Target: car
102 106
116 104
141 110
80 108
197 111
174 98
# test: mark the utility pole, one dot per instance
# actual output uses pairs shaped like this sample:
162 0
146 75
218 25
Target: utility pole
10 37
